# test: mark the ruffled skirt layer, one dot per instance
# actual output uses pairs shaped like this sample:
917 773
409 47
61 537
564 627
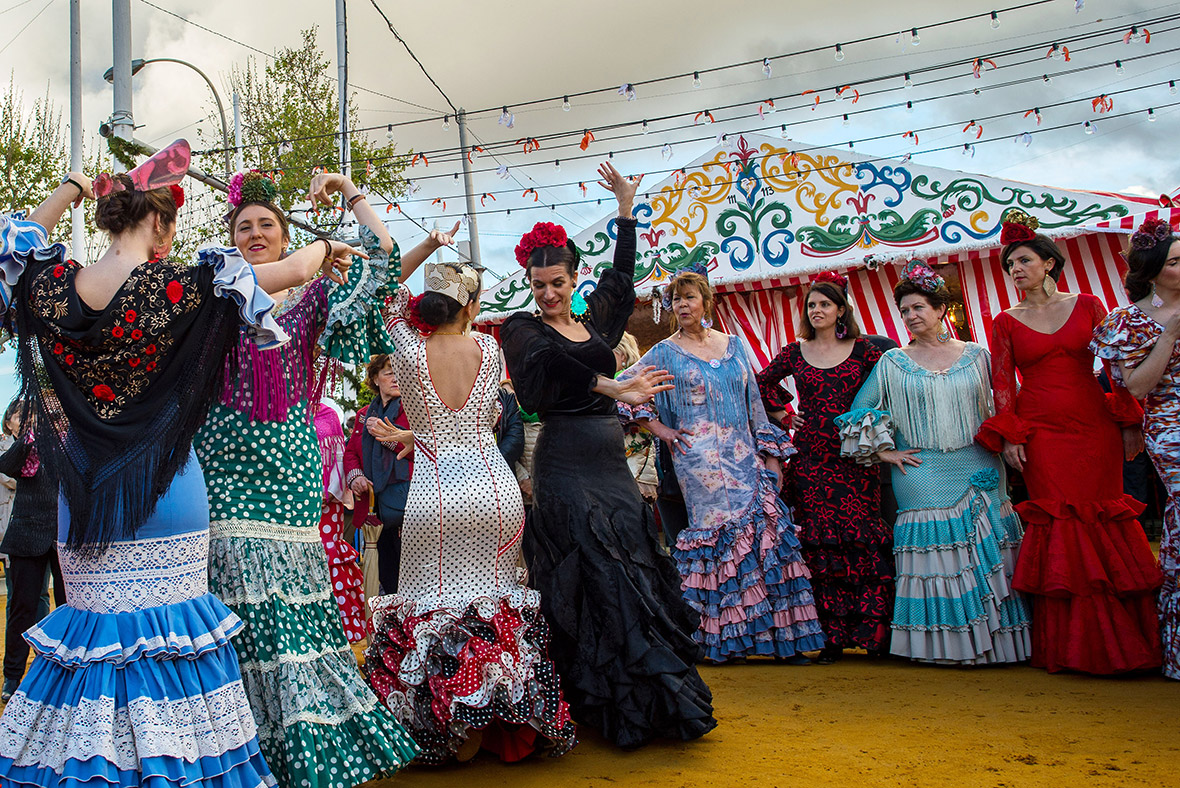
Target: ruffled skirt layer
847 547
1092 579
622 633
348 581
141 698
954 602
319 725
748 582
447 673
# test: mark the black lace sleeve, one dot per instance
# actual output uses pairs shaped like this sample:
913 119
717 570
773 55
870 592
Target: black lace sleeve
774 396
542 372
613 300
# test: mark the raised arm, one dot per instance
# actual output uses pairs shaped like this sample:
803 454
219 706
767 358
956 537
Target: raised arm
332 257
74 188
324 185
421 253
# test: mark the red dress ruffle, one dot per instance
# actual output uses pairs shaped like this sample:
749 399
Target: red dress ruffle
1085 564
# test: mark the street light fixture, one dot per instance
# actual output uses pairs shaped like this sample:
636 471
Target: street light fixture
139 63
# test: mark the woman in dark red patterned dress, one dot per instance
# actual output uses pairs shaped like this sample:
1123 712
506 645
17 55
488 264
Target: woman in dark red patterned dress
846 545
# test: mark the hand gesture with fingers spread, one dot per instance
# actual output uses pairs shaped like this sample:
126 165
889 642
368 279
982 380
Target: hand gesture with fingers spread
622 187
440 239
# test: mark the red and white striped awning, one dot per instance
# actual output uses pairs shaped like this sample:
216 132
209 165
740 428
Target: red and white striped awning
1127 224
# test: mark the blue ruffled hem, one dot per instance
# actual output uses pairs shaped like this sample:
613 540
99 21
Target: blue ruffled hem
19 239
72 637
240 768
234 278
756 634
773 440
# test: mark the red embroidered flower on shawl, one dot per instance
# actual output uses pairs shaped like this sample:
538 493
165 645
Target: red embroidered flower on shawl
174 291
103 392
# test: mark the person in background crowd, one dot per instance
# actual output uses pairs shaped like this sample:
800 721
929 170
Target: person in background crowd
622 633
319 724
1085 564
739 558
378 465
956 538
509 426
31 546
11 426
343 559
460 652
638 444
1140 340
846 544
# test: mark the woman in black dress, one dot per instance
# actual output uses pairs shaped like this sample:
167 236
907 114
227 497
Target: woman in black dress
622 635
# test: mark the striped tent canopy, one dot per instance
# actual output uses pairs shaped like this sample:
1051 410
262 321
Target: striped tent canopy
764 215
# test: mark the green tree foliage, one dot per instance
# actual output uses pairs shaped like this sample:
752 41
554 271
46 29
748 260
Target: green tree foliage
289 123
35 155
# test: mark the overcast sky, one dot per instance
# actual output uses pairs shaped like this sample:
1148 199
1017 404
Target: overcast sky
492 54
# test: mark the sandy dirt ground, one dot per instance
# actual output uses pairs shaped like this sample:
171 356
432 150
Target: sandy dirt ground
879 724
864 722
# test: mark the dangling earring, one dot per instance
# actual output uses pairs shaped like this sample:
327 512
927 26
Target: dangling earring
578 305
841 329
1049 286
944 335
1156 301
706 323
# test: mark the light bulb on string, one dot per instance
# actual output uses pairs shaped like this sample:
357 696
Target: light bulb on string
557 165
446 122
696 79
565 103
1118 67
1172 86
914 37
995 20
909 106
909 83
1055 51
839 53
766 70
644 128
1048 80
1133 37
1150 115
389 132
845 122
782 132
1088 127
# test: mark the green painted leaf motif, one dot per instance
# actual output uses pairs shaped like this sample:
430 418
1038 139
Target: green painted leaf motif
506 299
970 194
891 228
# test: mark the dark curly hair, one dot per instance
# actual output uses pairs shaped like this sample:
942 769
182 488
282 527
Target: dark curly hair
1144 265
546 256
123 209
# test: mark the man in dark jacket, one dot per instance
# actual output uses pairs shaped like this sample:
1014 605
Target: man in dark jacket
509 427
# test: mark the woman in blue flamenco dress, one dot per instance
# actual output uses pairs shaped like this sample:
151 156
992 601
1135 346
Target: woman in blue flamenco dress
135 681
739 558
956 536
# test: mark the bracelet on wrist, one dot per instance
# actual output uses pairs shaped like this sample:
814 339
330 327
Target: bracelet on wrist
355 199
76 185
328 247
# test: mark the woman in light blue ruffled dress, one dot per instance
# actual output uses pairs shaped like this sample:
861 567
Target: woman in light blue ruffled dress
956 536
135 681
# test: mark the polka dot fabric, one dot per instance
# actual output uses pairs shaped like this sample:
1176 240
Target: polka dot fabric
343 564
462 645
319 724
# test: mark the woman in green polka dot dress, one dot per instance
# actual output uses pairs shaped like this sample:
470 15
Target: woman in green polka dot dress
319 725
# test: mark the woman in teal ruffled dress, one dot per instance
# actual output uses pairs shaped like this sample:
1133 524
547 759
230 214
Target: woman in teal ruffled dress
956 536
319 724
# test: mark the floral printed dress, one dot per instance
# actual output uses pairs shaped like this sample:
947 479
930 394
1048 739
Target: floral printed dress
956 536
846 545
1128 335
739 559
319 724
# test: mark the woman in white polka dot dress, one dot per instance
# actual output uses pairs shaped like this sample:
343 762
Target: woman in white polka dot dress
460 653
319 725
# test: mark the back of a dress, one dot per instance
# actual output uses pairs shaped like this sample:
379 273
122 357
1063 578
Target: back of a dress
464 515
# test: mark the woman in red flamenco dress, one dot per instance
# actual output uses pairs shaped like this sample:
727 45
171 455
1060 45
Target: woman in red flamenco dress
1085 563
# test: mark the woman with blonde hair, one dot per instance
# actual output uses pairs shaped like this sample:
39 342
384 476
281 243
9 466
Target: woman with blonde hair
739 559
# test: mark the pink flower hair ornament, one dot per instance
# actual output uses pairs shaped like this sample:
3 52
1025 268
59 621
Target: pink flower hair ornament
923 276
166 168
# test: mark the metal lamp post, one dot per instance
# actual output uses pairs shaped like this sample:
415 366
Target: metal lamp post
139 63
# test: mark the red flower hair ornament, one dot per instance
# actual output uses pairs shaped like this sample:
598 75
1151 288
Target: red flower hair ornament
833 278
414 317
177 195
542 234
1018 227
1151 233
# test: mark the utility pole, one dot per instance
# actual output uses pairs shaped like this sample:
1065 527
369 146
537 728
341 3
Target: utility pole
77 225
464 150
342 82
239 158
122 120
